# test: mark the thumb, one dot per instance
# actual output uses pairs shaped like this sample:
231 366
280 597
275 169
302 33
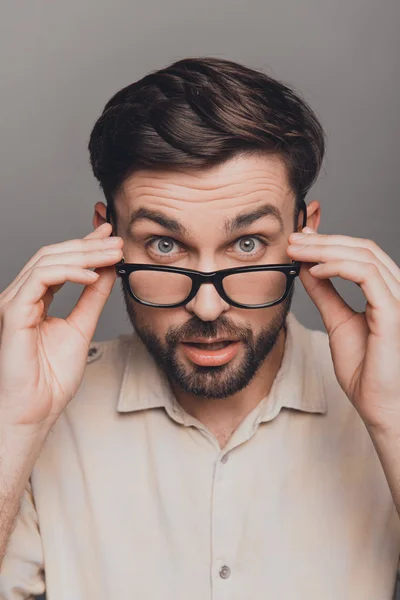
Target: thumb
87 311
333 309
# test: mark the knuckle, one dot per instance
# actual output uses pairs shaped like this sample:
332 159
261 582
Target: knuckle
43 260
370 245
368 255
34 273
38 271
84 255
40 253
370 269
44 250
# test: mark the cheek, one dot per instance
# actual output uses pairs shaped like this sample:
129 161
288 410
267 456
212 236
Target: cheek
159 320
260 318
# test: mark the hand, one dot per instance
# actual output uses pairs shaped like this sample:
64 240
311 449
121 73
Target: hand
365 346
43 358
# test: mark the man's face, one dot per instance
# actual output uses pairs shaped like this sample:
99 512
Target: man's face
208 221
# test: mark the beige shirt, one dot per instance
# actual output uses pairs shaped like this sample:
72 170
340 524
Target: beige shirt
134 499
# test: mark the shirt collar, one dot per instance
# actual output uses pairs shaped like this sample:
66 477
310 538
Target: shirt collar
297 384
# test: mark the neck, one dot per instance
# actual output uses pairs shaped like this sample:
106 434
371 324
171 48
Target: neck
223 415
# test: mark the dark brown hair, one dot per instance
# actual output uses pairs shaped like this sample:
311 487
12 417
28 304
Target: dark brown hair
199 112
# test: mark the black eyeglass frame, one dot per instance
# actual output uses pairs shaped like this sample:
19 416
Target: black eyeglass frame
291 271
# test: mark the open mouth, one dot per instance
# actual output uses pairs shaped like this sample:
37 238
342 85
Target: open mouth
210 354
211 345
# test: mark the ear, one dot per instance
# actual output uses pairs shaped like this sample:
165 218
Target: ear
313 215
99 216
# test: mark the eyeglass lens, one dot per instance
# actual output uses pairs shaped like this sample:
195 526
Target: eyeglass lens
251 289
258 287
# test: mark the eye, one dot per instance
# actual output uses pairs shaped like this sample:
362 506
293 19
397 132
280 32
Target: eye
163 245
249 244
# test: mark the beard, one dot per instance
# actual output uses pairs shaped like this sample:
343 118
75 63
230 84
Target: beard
211 382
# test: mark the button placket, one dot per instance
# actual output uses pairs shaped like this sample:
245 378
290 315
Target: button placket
223 535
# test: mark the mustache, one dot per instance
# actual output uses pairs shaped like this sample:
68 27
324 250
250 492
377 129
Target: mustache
221 327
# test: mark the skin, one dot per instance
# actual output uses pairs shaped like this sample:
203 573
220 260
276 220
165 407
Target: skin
202 202
35 386
365 347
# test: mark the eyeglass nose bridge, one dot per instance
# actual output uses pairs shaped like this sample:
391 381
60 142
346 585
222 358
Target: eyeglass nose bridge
212 278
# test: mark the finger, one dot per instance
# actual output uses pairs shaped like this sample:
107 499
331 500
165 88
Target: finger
332 307
26 309
326 253
85 315
99 259
104 229
366 275
311 237
92 241
86 259
96 258
95 240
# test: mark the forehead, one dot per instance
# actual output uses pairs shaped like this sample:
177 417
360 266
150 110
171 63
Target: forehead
209 197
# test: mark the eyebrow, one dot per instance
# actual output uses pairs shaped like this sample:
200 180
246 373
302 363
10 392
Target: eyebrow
238 222
245 219
146 214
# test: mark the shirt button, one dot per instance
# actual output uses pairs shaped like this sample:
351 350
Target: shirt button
225 572
224 459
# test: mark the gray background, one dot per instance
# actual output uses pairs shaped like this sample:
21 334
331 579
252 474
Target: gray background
61 61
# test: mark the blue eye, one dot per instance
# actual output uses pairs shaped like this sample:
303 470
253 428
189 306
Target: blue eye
250 244
163 245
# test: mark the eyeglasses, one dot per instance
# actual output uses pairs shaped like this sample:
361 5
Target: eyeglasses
255 286
244 287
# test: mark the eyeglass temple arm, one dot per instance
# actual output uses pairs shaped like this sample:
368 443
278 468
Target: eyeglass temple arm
304 206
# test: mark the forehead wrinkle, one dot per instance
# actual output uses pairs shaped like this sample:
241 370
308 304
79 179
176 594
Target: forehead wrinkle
210 195
213 188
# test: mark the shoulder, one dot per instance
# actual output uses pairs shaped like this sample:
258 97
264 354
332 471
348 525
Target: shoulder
107 357
339 408
105 366
315 343
315 348
106 350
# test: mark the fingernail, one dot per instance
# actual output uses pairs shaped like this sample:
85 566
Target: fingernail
297 236
308 230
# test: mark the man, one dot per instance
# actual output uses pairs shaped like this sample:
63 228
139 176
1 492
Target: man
222 450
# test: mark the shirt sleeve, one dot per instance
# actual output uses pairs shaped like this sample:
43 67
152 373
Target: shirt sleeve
22 570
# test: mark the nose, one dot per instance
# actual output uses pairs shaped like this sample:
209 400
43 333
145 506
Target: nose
207 303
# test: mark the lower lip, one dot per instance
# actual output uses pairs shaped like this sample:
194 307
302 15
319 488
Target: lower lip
211 358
